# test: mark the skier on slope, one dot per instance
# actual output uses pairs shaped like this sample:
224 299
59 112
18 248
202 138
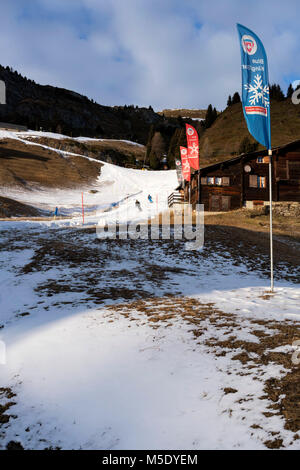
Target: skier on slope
150 198
138 205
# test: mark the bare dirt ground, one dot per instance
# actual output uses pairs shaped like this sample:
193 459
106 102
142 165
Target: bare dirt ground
11 208
255 220
25 166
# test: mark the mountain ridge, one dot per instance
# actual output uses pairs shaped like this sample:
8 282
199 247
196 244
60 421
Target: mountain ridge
64 111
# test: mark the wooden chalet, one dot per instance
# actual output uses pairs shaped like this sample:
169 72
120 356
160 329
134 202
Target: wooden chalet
244 180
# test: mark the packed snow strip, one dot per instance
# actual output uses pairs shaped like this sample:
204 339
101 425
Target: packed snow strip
87 139
18 136
192 118
54 135
30 133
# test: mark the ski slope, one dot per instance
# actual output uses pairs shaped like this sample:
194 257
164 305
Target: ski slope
115 190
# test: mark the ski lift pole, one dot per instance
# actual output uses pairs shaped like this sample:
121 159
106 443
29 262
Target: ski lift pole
2 92
199 183
82 209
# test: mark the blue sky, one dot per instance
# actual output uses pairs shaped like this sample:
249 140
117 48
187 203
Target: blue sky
164 53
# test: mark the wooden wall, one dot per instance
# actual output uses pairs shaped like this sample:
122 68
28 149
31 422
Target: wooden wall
287 175
286 180
256 194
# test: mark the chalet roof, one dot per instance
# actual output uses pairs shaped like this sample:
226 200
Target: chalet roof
249 156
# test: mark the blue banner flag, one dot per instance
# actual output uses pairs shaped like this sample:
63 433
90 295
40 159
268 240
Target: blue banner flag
255 86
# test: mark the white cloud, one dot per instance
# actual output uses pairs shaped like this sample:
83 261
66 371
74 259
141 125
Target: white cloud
143 52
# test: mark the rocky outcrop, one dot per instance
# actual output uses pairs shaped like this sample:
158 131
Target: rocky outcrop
286 209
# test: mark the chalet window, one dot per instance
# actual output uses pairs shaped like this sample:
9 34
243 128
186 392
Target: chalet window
253 181
263 160
294 169
257 181
216 180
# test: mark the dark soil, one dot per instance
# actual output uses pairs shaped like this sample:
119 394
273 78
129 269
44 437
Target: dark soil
6 394
12 208
26 166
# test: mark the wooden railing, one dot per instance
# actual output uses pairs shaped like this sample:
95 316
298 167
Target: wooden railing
175 198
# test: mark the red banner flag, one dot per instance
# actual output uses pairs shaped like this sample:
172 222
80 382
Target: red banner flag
186 169
193 146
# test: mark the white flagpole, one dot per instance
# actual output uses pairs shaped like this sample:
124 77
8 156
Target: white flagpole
271 221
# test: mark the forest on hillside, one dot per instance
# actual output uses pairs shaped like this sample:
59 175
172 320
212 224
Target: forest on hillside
48 108
164 145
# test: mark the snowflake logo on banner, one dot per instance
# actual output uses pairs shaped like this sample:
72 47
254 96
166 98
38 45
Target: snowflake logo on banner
258 92
194 150
186 166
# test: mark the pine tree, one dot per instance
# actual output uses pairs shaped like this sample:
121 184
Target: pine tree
211 116
236 98
172 149
154 161
148 145
276 92
178 140
229 101
290 91
181 142
158 144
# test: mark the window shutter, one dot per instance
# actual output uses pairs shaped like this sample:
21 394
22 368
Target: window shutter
262 182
